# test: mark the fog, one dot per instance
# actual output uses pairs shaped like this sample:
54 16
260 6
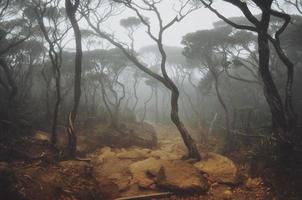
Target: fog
150 99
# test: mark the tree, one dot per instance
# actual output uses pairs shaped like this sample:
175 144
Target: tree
205 46
14 68
284 118
107 67
132 24
12 33
165 79
54 37
71 9
296 3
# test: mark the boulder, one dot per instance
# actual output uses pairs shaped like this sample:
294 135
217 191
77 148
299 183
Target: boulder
104 154
167 155
221 191
135 153
219 168
115 171
128 135
145 171
180 176
109 189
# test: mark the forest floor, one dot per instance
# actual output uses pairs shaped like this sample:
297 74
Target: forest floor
113 172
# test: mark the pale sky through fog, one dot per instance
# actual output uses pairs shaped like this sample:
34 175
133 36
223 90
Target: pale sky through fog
200 19
197 20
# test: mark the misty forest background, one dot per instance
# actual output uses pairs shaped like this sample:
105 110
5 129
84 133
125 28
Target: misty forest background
63 69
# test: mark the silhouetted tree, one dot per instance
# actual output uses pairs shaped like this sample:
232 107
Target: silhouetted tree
283 116
158 39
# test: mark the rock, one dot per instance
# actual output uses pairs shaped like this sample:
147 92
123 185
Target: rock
131 134
136 190
80 168
58 181
114 170
105 154
227 195
109 189
145 171
180 176
219 168
165 155
122 180
134 154
253 183
41 135
221 191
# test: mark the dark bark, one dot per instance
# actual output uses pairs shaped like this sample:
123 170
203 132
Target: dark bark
104 97
57 106
116 114
94 107
156 104
284 119
215 75
193 107
55 58
165 79
11 82
145 106
270 91
71 13
113 107
71 10
135 93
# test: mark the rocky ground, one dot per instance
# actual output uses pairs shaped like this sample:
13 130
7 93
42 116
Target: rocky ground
140 171
149 167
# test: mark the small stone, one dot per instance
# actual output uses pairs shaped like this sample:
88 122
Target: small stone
180 176
227 195
219 168
141 169
253 183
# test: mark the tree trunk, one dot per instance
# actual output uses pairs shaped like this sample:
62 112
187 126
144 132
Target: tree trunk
13 87
189 142
270 91
145 106
156 104
165 80
57 107
47 88
230 138
71 11
135 93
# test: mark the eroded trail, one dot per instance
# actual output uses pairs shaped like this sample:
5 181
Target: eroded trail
115 172
135 171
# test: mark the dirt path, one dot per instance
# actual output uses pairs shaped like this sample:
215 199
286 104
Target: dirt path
125 172
132 171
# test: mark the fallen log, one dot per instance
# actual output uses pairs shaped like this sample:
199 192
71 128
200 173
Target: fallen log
147 196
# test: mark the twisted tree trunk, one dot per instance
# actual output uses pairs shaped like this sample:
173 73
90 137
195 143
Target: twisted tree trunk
71 12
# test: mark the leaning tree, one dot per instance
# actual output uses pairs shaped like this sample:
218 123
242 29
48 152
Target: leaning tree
92 15
284 118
